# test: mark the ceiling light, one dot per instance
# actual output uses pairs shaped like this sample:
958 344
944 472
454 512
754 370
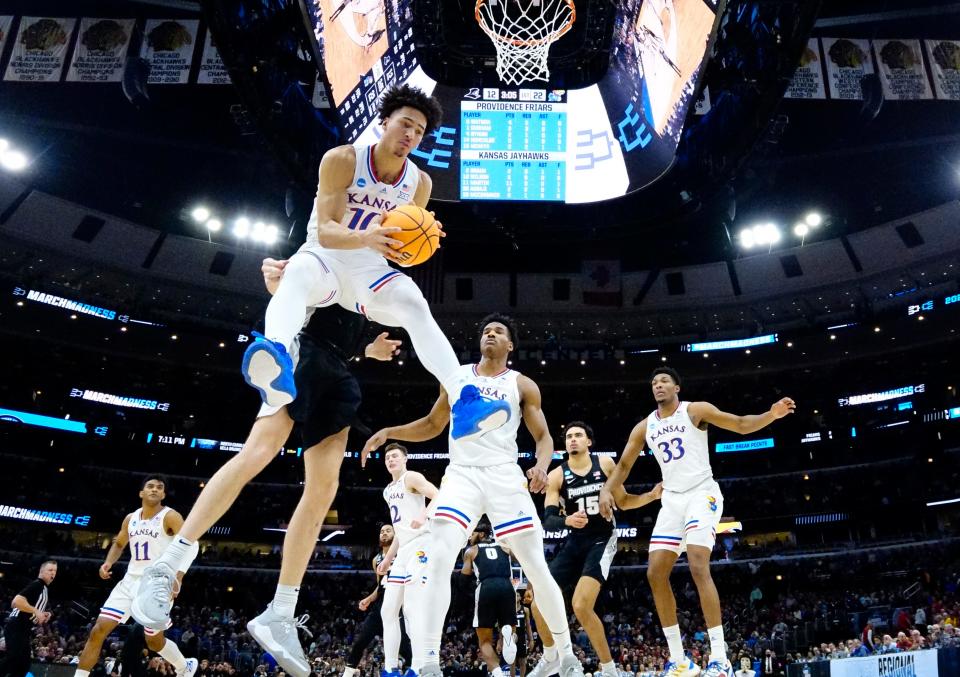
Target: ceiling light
200 214
214 225
747 239
271 234
801 230
258 232
13 160
813 219
241 228
4 144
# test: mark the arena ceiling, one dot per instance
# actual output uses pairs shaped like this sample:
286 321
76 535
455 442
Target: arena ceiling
150 163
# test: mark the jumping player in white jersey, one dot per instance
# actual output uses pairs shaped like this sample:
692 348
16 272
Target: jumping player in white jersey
406 498
148 531
344 259
691 506
483 477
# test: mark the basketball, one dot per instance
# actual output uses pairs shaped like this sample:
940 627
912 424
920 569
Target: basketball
419 233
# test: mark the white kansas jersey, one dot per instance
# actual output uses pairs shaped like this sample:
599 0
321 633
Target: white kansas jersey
368 197
405 506
496 446
148 540
680 448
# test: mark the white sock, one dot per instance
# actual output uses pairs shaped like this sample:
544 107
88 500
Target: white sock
285 600
608 667
81 673
172 654
177 552
563 643
674 643
550 654
349 672
718 648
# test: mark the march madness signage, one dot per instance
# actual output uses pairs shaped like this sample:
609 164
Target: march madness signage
906 664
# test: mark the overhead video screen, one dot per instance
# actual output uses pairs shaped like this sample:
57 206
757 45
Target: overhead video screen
531 142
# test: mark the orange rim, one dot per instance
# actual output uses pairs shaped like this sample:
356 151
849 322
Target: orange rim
527 43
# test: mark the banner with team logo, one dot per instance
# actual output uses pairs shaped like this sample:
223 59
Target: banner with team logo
848 60
101 50
168 46
40 50
900 64
944 57
212 70
905 664
5 23
807 82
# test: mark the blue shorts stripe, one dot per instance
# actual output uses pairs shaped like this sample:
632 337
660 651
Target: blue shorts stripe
116 611
381 279
528 518
453 510
672 538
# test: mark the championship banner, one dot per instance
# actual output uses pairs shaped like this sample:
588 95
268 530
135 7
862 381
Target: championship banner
212 70
601 282
901 70
101 50
848 60
5 23
905 664
944 56
40 50
168 48
807 82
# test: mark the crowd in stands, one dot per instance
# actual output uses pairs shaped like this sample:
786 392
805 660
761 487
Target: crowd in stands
775 613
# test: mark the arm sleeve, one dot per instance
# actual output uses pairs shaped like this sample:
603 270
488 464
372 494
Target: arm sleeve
552 521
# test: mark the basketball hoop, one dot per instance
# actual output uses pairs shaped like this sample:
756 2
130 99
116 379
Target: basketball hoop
522 32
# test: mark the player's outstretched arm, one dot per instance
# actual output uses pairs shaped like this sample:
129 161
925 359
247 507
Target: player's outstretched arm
468 556
419 484
744 425
117 546
382 348
622 470
422 429
532 407
624 500
336 175
391 555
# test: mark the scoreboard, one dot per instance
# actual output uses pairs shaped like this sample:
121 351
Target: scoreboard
513 150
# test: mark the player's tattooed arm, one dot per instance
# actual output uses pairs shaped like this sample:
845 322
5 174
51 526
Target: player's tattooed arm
421 430
117 547
704 412
615 480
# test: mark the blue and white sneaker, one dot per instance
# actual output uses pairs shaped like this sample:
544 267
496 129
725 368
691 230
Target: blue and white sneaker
190 669
410 673
684 668
268 367
719 669
390 673
474 415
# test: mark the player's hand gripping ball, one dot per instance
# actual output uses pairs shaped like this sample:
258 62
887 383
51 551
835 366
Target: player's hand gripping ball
419 232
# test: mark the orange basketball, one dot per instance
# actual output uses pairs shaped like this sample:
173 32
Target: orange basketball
419 233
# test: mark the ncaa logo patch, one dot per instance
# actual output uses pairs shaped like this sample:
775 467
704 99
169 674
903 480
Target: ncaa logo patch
361 182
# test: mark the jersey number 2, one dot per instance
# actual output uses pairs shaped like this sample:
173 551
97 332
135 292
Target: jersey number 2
141 552
394 513
671 454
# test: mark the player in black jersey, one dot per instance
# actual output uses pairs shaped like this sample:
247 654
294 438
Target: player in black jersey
495 599
583 561
325 408
524 630
373 623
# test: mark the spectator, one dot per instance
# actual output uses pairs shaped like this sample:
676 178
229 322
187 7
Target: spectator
745 669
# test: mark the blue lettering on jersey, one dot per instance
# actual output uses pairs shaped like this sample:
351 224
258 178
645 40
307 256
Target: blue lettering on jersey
668 429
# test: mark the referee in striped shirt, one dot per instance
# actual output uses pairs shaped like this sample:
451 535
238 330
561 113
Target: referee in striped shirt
29 608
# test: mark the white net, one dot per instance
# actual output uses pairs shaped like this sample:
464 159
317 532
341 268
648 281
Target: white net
522 32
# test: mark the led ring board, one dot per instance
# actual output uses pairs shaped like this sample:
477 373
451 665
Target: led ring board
528 142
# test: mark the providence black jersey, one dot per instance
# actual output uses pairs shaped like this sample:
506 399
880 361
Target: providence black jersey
491 562
583 493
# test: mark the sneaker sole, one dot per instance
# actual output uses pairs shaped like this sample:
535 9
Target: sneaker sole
145 620
276 650
491 422
260 370
509 648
